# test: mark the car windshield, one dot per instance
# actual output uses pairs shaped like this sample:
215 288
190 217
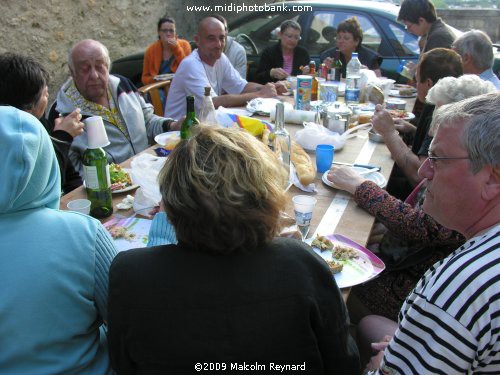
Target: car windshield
262 28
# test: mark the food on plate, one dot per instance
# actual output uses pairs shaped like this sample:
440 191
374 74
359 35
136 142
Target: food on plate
343 252
305 168
172 142
119 178
406 91
121 232
322 243
334 266
398 113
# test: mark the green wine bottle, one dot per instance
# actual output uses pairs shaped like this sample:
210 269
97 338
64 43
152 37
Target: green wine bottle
191 120
97 182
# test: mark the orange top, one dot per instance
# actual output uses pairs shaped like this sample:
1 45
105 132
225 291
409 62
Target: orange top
154 56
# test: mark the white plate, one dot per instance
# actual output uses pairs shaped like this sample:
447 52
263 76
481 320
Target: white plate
163 138
355 271
164 77
396 94
409 116
124 190
376 177
262 106
128 188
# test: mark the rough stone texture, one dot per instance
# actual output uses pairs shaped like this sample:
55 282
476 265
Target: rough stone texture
46 29
466 19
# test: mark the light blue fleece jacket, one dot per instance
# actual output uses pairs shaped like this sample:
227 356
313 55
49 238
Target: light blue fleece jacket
53 264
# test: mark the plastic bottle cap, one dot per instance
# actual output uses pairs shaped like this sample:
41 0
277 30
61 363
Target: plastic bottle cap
96 133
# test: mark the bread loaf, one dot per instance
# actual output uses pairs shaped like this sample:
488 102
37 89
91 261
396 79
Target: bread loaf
306 170
376 95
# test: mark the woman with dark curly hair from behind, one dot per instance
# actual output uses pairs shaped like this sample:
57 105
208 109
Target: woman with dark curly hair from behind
229 293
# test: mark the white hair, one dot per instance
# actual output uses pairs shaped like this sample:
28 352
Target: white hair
451 90
477 44
480 117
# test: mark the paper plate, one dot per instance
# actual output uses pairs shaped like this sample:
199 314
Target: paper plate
396 94
408 115
163 138
262 106
361 269
376 177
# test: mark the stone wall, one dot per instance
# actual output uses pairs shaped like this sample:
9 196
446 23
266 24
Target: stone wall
46 29
487 20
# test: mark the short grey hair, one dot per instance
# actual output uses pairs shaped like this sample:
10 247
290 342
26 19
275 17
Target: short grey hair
105 51
478 45
481 120
451 90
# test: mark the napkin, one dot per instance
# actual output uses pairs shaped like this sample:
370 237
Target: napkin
311 188
295 116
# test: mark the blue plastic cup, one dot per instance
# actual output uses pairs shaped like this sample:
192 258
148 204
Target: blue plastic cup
324 157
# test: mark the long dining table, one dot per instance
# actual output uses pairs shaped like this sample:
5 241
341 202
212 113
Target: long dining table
335 212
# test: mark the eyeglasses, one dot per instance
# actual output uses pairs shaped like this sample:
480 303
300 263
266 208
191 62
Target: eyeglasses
167 31
432 158
294 37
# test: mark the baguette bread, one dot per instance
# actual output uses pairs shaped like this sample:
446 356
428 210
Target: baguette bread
306 170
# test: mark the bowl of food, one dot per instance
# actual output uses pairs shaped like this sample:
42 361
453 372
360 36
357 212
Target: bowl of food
375 137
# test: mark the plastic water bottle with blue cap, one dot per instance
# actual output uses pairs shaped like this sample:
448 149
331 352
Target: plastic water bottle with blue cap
353 75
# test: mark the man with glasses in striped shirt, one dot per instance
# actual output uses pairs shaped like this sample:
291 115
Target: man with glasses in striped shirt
450 323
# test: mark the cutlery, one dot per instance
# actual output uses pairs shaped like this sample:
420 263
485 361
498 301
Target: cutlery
368 171
367 166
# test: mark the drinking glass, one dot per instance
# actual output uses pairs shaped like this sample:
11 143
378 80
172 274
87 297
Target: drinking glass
324 157
303 206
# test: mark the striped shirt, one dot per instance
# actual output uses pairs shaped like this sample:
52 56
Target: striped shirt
450 323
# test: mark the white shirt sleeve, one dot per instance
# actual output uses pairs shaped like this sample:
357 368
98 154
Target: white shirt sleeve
190 79
232 83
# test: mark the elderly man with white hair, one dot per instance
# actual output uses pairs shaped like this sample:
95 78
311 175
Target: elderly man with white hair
476 50
450 323
129 121
412 240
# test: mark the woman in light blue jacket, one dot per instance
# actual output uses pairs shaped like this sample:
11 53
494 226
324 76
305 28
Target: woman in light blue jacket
53 264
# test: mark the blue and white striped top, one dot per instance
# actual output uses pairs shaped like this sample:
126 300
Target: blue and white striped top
450 323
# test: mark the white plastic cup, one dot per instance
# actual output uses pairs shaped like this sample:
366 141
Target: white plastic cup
96 133
303 206
79 205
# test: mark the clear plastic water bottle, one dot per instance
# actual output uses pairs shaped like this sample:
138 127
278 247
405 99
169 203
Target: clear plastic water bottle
353 76
207 111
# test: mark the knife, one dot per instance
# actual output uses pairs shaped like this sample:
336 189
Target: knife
368 166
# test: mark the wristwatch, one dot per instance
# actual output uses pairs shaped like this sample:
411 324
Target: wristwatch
166 124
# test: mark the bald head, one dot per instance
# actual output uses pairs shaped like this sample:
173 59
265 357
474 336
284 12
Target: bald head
209 24
211 38
88 47
89 66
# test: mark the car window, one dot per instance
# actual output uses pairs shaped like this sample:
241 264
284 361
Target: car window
263 29
325 23
403 42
